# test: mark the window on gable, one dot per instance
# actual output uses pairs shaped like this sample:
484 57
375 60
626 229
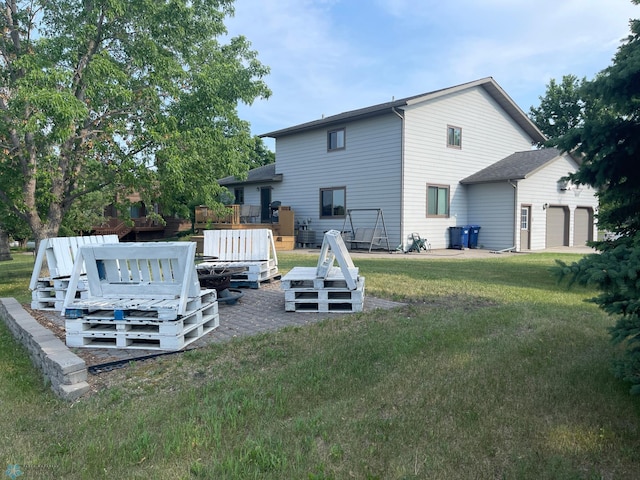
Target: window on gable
335 139
437 201
333 202
454 137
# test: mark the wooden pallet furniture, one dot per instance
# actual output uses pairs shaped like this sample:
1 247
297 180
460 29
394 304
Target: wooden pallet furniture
140 295
250 253
53 267
327 287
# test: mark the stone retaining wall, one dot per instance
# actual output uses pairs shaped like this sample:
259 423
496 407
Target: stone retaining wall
66 372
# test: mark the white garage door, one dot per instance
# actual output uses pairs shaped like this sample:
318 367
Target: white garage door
557 227
582 226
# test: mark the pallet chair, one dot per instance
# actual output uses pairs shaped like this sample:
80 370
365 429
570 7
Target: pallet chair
152 276
59 255
253 251
140 296
326 287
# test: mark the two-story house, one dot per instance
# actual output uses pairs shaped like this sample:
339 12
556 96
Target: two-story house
457 156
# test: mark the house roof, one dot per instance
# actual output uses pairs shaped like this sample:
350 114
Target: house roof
488 83
265 173
517 166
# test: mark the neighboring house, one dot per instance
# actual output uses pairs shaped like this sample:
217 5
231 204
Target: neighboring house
256 189
457 156
136 226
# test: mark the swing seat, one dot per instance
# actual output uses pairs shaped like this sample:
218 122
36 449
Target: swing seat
418 244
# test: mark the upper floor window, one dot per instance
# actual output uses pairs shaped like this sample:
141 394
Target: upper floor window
333 202
335 139
454 137
437 201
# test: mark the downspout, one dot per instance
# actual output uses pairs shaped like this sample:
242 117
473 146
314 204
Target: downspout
515 211
393 109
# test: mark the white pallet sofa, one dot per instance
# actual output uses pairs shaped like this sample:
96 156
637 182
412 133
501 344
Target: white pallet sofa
58 254
249 254
326 287
140 295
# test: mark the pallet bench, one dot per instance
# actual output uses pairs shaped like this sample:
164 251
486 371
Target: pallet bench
59 255
327 287
251 254
140 295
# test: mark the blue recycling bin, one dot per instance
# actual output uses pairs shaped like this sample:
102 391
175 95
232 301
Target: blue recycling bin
474 231
459 237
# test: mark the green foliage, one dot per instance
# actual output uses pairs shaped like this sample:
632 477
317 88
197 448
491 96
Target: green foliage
616 273
561 108
607 141
489 371
123 95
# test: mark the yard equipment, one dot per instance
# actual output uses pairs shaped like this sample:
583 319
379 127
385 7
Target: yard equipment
418 244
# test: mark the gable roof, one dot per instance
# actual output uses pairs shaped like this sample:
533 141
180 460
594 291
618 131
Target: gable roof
517 166
488 83
265 173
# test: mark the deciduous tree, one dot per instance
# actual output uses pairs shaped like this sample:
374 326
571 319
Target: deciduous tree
561 108
118 92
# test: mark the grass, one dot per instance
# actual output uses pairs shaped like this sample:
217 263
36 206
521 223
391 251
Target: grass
492 370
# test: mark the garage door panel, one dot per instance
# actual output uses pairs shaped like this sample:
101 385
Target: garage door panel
582 226
557 227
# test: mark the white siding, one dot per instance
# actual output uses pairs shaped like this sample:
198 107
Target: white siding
369 168
488 135
541 189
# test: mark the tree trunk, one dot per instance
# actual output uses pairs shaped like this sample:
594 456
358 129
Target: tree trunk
5 252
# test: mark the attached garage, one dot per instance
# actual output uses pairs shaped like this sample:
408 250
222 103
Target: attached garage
582 226
557 227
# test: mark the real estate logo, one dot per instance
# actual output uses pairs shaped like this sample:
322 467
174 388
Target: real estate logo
13 471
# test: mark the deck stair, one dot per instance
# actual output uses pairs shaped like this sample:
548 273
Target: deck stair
327 287
139 295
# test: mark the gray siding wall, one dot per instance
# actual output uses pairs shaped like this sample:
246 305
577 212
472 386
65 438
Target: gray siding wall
488 135
369 168
491 205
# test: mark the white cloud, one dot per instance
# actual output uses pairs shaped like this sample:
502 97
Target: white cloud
329 56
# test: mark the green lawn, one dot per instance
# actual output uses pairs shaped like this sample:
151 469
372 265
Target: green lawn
492 370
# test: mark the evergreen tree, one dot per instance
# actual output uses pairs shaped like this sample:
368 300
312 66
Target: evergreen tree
608 142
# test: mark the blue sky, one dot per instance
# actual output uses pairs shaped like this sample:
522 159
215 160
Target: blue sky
331 56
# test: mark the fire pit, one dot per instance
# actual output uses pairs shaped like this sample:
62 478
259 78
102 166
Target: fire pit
220 279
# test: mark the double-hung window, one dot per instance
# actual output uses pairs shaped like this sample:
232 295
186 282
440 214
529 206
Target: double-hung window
333 202
437 200
336 139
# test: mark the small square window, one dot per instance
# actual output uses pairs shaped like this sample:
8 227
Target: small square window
335 139
454 137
